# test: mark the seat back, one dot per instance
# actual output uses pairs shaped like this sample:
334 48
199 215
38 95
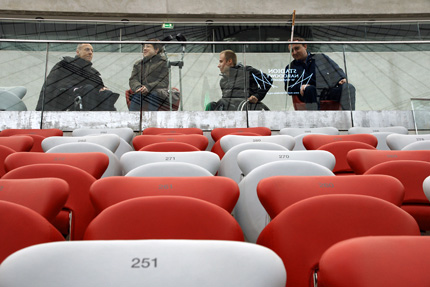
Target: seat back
21 227
218 133
411 174
340 150
426 187
46 196
247 160
37 135
41 132
302 232
229 141
400 261
229 166
125 137
199 141
420 145
164 217
399 141
218 190
314 141
279 192
216 148
10 102
4 153
168 169
249 212
169 147
126 134
113 169
299 133
361 160
18 142
78 202
185 131
371 130
96 263
109 141
205 159
380 133
95 163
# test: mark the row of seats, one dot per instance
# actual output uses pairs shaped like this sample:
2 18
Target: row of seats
303 236
250 210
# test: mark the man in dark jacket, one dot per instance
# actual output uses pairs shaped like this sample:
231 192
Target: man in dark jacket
317 77
240 83
73 84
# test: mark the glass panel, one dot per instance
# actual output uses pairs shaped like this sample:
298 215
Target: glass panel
386 76
420 109
21 65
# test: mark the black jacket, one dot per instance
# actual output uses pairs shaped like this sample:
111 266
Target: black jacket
233 85
65 77
318 70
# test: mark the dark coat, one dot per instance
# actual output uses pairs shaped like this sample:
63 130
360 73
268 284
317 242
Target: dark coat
66 76
318 70
233 85
154 74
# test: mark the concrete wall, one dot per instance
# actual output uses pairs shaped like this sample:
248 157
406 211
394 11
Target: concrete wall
175 9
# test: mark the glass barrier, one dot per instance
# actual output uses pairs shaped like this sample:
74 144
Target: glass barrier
420 108
377 75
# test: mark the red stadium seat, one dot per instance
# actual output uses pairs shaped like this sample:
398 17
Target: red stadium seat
4 153
411 173
46 196
325 105
78 205
41 132
301 233
220 191
375 261
279 192
21 227
362 160
314 141
218 133
38 135
95 163
340 150
164 217
18 143
199 141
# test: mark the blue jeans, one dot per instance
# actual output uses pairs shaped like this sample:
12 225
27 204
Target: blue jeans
150 102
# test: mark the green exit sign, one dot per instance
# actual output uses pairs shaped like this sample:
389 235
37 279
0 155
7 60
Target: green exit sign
167 26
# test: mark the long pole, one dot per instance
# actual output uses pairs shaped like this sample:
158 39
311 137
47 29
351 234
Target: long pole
289 61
